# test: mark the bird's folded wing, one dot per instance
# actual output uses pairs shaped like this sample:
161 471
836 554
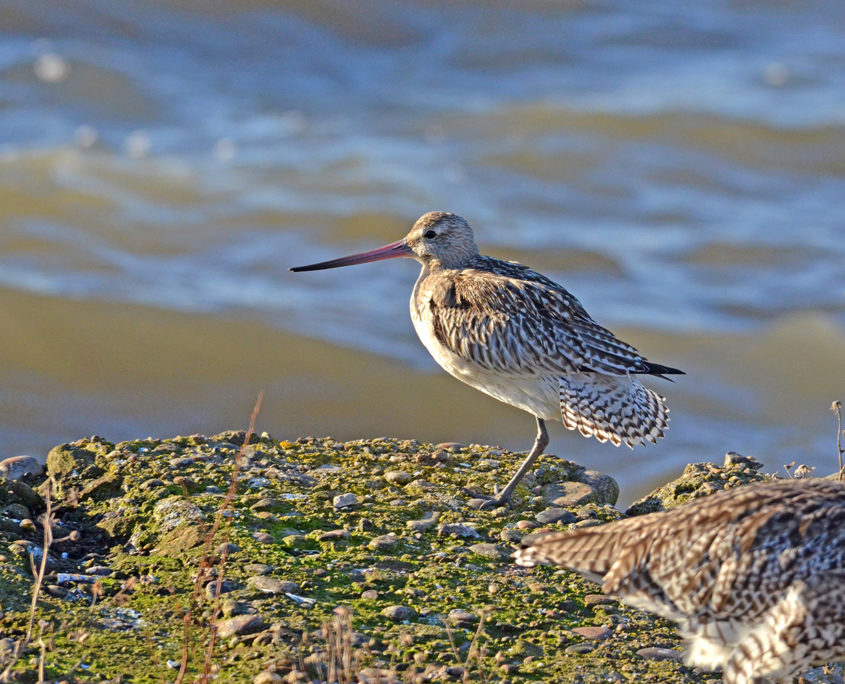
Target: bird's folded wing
520 325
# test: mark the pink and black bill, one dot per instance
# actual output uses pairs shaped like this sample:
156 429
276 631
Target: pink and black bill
391 251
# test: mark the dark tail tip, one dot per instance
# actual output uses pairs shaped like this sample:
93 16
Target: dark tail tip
662 371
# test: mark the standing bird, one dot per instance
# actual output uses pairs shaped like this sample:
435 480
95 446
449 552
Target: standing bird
521 338
753 575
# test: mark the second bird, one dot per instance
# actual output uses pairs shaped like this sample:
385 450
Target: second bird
521 338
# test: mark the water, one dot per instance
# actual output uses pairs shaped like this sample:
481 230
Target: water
680 169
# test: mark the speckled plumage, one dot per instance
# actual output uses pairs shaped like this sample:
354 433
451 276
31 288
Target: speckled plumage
523 339
754 575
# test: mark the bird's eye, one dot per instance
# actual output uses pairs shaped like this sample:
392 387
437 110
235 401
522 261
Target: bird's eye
430 234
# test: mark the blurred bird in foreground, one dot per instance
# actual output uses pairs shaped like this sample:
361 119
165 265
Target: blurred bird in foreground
754 575
523 339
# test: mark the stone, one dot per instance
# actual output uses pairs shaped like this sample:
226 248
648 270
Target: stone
460 530
258 568
225 587
17 511
345 500
240 624
551 515
334 535
579 649
16 467
399 613
398 477
263 537
267 677
605 487
384 542
487 550
271 585
598 599
64 460
267 504
566 494
593 632
230 607
15 491
657 653
461 617
173 511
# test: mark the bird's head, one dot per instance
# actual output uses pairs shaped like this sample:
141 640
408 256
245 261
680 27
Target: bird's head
437 238
443 238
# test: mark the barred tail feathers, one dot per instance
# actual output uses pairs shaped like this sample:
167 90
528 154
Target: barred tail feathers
615 408
590 552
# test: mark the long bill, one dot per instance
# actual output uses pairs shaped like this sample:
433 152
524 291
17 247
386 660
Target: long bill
391 251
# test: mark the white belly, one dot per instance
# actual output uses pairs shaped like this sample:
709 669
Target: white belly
536 394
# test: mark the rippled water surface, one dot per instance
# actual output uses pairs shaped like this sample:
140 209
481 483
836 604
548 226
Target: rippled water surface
680 168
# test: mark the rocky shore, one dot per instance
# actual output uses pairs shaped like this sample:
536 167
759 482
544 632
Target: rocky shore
327 561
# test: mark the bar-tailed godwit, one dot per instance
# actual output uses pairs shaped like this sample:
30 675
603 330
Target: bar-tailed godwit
521 338
754 575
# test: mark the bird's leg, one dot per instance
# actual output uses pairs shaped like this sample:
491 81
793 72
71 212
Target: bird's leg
540 443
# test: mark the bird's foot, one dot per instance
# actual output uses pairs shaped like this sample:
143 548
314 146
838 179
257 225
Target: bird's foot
494 502
484 502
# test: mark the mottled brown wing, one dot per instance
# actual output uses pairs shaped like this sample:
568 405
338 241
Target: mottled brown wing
523 325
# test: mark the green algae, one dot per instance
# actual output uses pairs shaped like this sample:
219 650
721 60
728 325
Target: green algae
143 510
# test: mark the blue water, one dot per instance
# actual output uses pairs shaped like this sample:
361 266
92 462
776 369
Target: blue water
681 168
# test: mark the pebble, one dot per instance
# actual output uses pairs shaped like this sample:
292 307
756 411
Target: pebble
174 511
258 569
477 504
526 525
271 585
333 535
605 487
345 500
458 530
240 624
17 511
230 607
263 537
399 613
510 535
593 632
588 523
551 515
228 547
565 494
225 587
461 617
384 542
16 467
399 477
266 504
597 599
181 462
27 525
428 521
487 550
450 446
657 653
579 649
369 595
267 677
